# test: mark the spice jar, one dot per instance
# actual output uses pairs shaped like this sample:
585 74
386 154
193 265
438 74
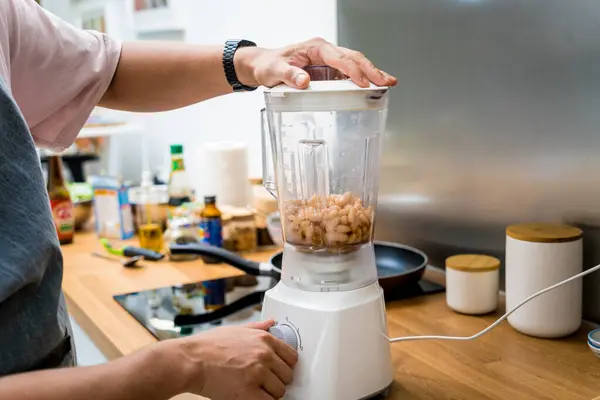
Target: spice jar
538 256
183 231
472 283
239 229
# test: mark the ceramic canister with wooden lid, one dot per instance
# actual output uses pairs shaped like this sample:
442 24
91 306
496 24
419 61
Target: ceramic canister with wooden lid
538 256
472 282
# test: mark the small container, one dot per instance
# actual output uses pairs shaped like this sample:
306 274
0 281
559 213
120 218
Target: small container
183 231
472 283
538 256
241 230
148 215
594 337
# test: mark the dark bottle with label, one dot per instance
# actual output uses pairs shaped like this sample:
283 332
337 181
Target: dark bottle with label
63 212
211 226
215 296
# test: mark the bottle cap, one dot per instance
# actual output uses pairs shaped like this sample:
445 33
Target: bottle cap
176 149
210 199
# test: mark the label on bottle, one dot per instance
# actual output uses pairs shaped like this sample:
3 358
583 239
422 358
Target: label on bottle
177 164
211 227
64 218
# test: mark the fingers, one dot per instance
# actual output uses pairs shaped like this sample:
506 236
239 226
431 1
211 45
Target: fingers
375 75
336 58
291 75
273 386
282 370
283 350
262 325
261 395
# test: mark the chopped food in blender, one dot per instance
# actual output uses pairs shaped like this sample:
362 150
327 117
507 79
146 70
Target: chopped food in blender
337 223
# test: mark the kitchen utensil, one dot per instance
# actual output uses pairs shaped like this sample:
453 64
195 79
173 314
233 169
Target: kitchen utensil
398 266
130 251
472 283
537 256
127 262
323 146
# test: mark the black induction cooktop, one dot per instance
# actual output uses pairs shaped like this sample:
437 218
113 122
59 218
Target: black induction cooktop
176 311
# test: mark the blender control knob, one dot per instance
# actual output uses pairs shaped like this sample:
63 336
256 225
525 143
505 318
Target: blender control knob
285 333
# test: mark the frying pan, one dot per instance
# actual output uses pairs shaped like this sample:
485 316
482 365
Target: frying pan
397 265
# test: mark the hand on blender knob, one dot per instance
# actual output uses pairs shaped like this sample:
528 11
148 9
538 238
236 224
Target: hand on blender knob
245 362
286 334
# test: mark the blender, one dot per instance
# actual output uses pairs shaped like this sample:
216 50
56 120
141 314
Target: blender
321 160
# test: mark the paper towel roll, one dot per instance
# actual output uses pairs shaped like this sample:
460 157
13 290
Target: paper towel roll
223 172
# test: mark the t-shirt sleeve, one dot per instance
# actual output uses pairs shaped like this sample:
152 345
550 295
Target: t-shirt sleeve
58 73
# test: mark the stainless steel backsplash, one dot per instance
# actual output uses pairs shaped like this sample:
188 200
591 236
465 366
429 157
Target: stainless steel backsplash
496 120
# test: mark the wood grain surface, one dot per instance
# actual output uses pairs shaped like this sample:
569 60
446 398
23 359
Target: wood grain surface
501 365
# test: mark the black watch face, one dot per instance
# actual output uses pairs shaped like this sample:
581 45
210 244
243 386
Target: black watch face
246 43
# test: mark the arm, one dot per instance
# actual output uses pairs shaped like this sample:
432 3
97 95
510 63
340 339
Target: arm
225 363
156 76
164 76
149 374
60 73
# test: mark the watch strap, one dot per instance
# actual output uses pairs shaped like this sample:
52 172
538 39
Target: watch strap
231 46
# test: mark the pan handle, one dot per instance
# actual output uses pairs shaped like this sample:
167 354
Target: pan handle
247 301
248 266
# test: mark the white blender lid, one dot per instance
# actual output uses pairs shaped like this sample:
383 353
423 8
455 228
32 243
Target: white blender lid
345 85
334 95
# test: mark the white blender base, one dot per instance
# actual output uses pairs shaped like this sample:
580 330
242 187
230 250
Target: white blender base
344 352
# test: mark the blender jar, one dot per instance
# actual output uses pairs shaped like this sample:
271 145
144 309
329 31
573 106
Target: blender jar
323 166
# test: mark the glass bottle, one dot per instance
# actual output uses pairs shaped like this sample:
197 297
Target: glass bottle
63 212
148 216
180 191
211 225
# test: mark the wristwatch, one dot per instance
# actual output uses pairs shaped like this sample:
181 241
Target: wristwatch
231 46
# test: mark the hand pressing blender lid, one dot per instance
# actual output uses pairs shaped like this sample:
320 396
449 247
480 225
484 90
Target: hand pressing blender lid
321 153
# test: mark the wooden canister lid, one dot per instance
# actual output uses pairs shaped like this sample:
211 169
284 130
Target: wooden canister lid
472 263
544 233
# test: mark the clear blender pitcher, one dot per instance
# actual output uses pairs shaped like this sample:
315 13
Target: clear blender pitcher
321 160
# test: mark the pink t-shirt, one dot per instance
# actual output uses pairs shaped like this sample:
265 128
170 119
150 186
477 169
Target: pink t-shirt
55 72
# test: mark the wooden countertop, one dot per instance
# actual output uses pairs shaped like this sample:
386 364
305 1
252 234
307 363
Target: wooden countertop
501 365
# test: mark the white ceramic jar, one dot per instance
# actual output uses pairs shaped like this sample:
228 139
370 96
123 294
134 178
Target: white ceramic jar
472 282
539 256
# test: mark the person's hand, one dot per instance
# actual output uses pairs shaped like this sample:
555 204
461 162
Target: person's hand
243 362
257 66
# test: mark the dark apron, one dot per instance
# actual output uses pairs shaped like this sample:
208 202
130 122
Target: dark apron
61 356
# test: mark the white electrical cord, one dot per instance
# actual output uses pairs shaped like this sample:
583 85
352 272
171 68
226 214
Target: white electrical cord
499 320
